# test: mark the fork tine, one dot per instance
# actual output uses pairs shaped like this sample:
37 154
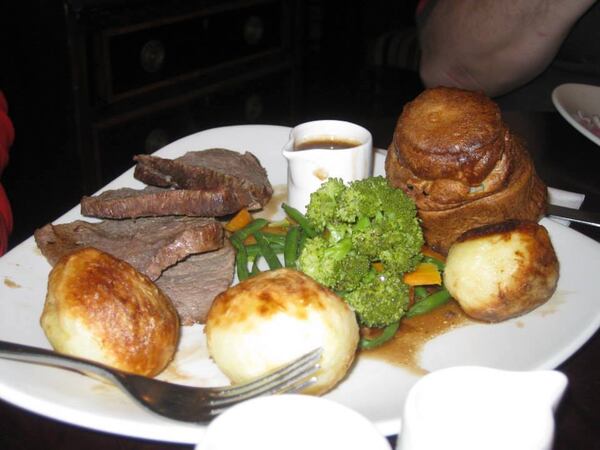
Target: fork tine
289 387
291 370
293 382
283 380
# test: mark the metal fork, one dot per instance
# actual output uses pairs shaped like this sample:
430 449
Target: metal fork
175 401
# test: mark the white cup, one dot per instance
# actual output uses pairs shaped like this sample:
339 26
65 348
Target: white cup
309 168
292 422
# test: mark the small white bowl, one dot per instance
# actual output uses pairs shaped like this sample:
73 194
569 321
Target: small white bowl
292 422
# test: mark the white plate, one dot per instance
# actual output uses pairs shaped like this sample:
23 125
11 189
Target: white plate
541 339
573 100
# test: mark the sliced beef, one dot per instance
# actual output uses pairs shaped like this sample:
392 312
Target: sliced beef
151 245
193 284
214 168
155 201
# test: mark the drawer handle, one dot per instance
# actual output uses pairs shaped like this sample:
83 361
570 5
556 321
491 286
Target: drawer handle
152 56
253 30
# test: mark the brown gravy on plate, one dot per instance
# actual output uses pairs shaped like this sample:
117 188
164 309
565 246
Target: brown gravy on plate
405 347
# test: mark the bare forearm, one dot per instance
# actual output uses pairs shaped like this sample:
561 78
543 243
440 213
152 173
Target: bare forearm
494 45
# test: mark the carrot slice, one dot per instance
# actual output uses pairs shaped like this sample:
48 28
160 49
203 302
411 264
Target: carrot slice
425 274
239 221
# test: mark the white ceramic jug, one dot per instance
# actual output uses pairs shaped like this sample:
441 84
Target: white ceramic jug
308 169
474 408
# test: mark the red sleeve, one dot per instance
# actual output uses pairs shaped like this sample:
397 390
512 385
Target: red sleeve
7 135
7 132
6 221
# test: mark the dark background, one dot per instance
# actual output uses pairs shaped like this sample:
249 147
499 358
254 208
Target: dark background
339 63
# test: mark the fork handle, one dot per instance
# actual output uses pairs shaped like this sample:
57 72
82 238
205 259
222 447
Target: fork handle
36 355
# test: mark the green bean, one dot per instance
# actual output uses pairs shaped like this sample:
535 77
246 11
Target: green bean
273 238
387 334
255 270
290 251
436 262
299 218
241 258
254 250
267 252
301 241
429 303
249 229
420 292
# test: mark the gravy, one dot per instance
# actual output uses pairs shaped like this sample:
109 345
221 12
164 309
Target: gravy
404 349
326 143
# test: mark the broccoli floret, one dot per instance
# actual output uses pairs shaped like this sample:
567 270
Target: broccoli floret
385 224
394 241
324 203
380 300
363 198
322 260
351 272
362 223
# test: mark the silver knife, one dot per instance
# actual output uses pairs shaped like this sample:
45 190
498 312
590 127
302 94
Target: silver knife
574 215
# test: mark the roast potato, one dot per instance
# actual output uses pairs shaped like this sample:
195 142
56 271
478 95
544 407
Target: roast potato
500 271
274 317
100 308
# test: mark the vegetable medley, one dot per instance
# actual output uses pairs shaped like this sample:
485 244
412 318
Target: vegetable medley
362 240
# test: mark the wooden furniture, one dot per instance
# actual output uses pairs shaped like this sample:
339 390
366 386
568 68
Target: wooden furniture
146 73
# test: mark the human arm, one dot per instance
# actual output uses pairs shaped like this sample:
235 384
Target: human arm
492 45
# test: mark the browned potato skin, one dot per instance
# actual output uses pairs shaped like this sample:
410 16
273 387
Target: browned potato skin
101 308
531 285
268 319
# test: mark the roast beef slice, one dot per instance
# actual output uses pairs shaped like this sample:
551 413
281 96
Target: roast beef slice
214 168
193 284
155 201
151 245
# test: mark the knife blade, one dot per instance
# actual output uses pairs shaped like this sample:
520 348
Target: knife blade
574 215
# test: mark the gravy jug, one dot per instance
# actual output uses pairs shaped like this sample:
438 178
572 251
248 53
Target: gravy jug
325 149
471 408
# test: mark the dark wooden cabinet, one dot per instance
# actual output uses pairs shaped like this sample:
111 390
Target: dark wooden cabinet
147 73
260 98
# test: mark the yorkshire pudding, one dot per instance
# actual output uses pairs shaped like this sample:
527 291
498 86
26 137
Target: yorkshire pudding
455 157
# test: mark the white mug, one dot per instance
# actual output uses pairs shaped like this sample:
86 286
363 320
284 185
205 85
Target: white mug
325 149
